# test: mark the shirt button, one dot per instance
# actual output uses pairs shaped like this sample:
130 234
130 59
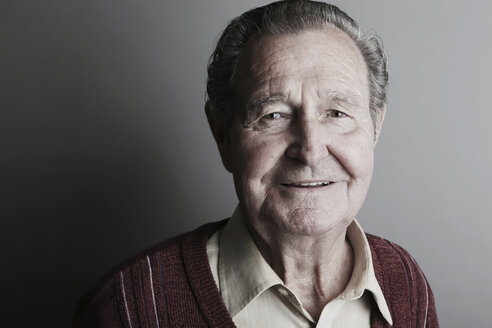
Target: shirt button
282 291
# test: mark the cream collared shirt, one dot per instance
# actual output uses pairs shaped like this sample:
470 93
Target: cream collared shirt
256 297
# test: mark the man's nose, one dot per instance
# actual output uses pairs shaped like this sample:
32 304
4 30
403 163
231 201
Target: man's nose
309 143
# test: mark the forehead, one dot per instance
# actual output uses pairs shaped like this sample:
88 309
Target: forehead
315 59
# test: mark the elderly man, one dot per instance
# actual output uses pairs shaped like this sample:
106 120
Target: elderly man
296 101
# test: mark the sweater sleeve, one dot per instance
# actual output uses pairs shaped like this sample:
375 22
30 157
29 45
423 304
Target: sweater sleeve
406 289
99 308
432 314
423 307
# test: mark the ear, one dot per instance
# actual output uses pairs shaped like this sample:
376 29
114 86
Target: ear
378 124
220 135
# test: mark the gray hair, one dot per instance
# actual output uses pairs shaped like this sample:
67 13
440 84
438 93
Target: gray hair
286 17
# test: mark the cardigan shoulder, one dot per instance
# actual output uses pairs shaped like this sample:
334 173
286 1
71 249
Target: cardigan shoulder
150 287
404 285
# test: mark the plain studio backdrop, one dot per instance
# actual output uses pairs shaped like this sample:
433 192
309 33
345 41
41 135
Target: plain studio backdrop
105 148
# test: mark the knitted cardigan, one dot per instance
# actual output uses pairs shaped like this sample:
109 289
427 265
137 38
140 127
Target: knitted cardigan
171 285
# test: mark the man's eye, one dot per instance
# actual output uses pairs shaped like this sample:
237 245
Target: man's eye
336 113
273 121
272 116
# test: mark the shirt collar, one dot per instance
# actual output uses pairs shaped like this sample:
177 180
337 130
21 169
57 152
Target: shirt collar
363 276
238 254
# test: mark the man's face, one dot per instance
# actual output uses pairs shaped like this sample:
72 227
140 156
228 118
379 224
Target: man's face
301 148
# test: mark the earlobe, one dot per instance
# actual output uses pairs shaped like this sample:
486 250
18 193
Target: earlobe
220 136
225 154
379 123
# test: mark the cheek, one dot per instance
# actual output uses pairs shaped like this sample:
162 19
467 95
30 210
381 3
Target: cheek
253 169
356 154
255 158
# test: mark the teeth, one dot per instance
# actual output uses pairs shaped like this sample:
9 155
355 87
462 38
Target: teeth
310 184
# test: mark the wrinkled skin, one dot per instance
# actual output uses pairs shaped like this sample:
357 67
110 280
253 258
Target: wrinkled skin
303 104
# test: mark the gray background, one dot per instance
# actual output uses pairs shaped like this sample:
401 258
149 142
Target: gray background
105 149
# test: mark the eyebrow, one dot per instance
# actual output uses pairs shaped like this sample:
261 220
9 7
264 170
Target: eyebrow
263 101
342 97
348 97
257 107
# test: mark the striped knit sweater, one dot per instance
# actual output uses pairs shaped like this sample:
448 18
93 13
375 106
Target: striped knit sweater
171 285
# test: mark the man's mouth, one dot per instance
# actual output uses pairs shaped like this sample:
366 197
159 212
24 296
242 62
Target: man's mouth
307 184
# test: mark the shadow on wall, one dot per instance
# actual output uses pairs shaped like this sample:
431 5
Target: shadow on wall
77 198
82 183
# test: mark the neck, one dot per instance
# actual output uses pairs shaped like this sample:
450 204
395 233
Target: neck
316 268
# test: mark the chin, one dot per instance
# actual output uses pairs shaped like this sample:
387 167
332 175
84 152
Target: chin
307 221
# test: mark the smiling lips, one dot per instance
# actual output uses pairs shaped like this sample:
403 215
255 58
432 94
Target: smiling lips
307 184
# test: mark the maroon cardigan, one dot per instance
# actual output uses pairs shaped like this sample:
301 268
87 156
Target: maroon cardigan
171 285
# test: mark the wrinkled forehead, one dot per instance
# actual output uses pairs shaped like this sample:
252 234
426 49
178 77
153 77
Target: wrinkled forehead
314 55
259 47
